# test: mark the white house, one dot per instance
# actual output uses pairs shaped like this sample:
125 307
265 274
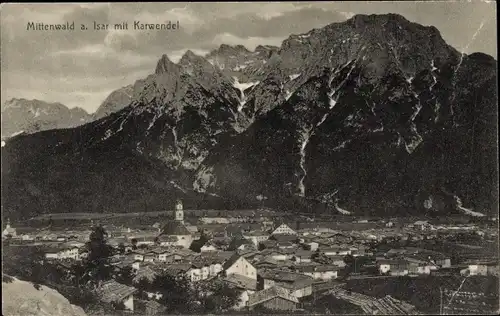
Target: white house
478 269
256 237
61 253
384 266
208 248
237 264
318 272
336 251
284 229
194 274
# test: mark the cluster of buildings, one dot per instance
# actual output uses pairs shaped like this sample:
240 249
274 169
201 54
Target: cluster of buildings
271 266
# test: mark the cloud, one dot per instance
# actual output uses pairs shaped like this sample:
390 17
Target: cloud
249 42
83 67
175 56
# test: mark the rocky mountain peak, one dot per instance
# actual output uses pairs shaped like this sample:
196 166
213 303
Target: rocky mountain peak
165 65
189 59
19 114
292 123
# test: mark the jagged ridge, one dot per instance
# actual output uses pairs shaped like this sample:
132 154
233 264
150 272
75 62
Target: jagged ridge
353 117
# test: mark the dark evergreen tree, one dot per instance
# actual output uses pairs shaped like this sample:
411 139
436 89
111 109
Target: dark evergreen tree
97 263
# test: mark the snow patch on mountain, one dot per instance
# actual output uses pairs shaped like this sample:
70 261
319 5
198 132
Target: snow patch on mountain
242 86
304 137
465 210
204 179
341 210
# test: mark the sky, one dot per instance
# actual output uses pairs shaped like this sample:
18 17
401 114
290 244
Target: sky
81 68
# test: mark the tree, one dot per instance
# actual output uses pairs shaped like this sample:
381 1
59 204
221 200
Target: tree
350 264
124 275
97 263
177 294
217 297
320 257
121 248
30 264
197 244
134 243
26 263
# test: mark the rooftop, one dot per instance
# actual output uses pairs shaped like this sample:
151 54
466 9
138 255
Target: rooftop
241 282
175 228
270 293
112 291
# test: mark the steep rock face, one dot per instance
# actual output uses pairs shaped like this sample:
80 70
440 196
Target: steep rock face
22 298
234 63
30 116
375 115
390 149
117 100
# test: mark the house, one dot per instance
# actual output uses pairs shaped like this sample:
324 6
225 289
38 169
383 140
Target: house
209 246
478 269
286 245
318 272
26 237
274 298
73 244
256 237
311 245
278 254
284 229
247 286
144 240
114 292
167 241
139 254
269 244
336 251
181 270
299 285
284 238
237 264
204 265
393 267
62 252
422 225
9 231
241 243
150 308
267 262
301 256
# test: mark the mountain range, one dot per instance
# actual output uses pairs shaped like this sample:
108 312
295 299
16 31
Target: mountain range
30 116
374 116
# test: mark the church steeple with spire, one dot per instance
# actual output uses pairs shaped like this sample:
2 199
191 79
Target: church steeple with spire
179 212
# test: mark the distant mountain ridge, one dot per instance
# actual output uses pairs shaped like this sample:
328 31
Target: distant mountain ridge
375 115
30 116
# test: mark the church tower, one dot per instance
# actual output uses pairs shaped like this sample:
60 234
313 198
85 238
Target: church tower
179 212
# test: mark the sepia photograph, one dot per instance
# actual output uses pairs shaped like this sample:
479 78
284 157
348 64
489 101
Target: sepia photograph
249 158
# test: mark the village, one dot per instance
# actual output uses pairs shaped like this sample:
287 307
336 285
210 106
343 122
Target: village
276 265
